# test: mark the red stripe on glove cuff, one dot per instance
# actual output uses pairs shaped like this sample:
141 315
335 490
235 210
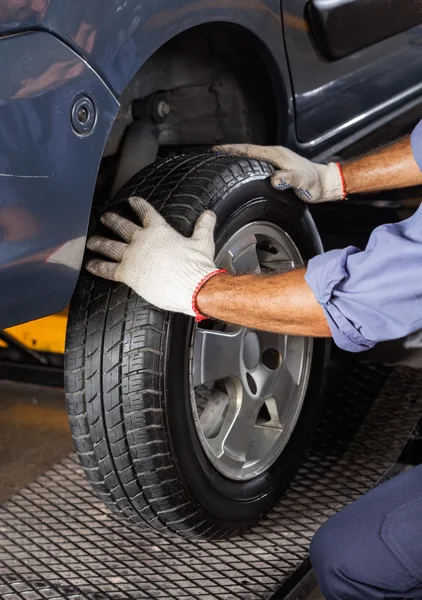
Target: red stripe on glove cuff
199 317
343 181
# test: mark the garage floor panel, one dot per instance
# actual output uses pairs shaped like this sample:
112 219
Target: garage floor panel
57 540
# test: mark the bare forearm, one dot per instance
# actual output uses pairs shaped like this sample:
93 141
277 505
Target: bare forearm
278 303
389 168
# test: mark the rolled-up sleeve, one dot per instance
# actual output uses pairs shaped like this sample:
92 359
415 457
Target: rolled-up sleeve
372 295
416 142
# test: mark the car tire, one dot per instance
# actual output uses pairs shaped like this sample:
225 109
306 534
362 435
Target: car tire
127 368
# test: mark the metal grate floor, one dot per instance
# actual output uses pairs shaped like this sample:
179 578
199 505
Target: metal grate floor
58 541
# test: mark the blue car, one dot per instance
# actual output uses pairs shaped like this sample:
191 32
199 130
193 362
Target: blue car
196 429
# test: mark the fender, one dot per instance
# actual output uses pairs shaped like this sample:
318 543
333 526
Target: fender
116 37
49 173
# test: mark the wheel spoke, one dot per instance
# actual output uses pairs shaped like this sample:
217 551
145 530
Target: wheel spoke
278 259
266 381
236 431
273 421
270 340
217 355
296 350
283 393
278 387
277 262
214 412
242 256
247 260
278 266
239 436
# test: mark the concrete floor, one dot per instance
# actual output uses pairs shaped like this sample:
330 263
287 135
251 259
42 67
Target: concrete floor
34 434
34 430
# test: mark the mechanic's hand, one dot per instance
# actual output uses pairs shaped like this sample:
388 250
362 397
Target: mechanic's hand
160 264
310 181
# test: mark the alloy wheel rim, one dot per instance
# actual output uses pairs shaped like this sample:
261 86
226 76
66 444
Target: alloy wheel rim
247 386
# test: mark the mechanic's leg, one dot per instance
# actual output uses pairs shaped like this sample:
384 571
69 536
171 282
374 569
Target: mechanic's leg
373 548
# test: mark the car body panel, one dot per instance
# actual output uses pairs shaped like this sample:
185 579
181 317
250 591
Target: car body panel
333 24
333 97
47 172
110 42
116 37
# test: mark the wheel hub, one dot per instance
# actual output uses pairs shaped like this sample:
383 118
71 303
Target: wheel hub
248 386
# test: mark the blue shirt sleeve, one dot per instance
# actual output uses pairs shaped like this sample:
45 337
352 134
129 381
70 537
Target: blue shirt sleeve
416 141
372 295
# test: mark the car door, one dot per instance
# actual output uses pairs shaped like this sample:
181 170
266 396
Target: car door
351 62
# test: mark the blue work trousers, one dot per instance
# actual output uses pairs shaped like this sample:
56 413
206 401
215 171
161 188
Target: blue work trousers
373 548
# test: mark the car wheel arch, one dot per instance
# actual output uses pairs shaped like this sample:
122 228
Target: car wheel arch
174 66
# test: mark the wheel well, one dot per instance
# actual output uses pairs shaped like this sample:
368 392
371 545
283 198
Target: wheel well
219 87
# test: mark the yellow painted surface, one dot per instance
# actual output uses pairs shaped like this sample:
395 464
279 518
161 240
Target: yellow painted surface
45 335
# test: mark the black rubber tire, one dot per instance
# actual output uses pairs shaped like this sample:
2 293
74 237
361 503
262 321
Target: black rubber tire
126 367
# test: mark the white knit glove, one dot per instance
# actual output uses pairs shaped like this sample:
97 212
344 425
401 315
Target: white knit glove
311 182
158 263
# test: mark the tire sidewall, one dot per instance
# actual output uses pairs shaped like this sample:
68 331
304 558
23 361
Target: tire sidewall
233 501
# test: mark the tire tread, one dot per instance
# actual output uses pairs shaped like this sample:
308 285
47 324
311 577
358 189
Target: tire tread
114 363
